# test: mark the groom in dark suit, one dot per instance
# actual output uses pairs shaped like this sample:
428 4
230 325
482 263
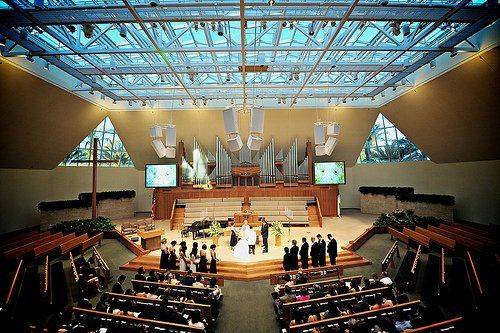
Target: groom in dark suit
264 231
332 249
304 253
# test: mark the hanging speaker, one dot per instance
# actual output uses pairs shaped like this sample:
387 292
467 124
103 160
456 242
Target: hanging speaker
159 148
319 133
257 120
320 150
254 142
156 131
170 135
235 143
230 120
169 152
333 129
330 145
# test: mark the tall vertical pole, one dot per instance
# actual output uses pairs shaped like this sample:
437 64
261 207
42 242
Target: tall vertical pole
94 179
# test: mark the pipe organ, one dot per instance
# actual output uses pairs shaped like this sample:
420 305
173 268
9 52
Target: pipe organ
223 163
268 166
290 165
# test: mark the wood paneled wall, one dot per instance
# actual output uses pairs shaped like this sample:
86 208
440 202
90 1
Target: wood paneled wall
327 196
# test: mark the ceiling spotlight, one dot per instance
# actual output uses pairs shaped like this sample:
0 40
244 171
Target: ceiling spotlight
143 103
333 24
123 31
344 100
383 2
182 101
264 25
292 24
71 28
271 2
228 77
202 24
324 24
88 30
405 27
103 97
114 101
91 91
220 29
46 66
283 24
311 29
329 100
191 76
162 77
373 98
129 103
454 27
291 77
394 88
432 64
396 28
195 26
296 76
112 64
279 100
214 26
453 53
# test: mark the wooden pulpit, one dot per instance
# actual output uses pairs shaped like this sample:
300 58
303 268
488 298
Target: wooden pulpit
151 240
252 218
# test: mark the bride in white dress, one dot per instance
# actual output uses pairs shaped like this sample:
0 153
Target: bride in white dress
241 250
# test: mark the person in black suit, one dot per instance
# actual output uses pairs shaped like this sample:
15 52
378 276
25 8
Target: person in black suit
264 231
332 249
140 274
118 286
304 253
322 250
287 259
315 248
294 253
188 279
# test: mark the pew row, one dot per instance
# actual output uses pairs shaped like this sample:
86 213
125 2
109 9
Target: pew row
440 240
205 276
49 247
409 307
92 241
462 240
417 237
23 240
389 257
398 235
200 295
109 320
450 325
321 284
25 249
468 234
313 274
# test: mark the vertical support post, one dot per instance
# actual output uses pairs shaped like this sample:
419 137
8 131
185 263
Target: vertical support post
94 179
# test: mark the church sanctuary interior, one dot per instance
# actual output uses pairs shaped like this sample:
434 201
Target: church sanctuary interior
249 166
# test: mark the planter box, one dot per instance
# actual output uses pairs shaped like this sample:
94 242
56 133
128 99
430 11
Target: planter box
114 209
378 204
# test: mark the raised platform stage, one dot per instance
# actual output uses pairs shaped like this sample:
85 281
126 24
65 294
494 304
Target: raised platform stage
248 271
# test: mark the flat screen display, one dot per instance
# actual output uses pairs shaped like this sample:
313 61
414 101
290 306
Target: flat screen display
328 173
161 175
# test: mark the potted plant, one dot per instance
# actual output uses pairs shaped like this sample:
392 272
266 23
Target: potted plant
277 231
214 231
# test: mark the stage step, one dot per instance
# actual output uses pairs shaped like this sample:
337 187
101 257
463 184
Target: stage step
248 270
178 218
312 212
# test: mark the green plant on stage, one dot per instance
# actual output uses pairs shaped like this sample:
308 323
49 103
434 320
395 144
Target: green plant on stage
407 218
215 230
277 228
81 226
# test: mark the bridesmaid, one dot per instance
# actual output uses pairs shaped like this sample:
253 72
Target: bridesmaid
172 262
183 261
234 237
164 254
213 261
202 266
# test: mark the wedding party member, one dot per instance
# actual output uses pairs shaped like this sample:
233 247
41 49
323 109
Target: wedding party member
164 254
183 260
193 262
294 252
172 259
287 259
332 249
252 239
241 250
202 266
304 253
322 250
194 250
234 236
315 249
183 247
264 231
213 260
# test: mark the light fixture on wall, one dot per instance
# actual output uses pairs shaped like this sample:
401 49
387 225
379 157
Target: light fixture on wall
325 137
167 148
256 128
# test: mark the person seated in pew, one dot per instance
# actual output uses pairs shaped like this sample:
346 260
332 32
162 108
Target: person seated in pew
288 296
187 298
140 274
381 302
385 279
169 314
402 322
195 320
103 304
301 277
354 286
118 286
188 279
288 282
84 303
198 282
152 276
217 293
332 312
375 281
124 311
161 277
366 284
342 288
303 295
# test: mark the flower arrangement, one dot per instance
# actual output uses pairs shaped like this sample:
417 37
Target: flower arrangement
277 228
215 229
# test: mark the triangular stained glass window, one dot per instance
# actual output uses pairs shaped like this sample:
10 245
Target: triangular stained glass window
386 143
110 148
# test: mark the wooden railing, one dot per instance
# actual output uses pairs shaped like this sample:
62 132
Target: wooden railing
103 266
109 319
46 276
372 314
442 326
315 273
475 275
389 257
172 214
320 215
15 281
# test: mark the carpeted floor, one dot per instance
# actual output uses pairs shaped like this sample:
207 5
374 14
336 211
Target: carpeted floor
247 306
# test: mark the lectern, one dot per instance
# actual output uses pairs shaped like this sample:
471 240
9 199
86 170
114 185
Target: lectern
151 240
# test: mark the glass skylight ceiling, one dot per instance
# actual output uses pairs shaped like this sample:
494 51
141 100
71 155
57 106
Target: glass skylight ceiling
295 50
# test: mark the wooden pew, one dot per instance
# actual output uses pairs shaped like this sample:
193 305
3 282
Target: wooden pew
72 243
289 307
206 276
52 245
474 274
476 229
398 235
112 320
103 266
416 260
315 273
463 241
281 289
14 284
30 237
417 237
205 309
21 251
441 240
467 234
389 257
443 326
94 240
175 289
74 270
46 276
9 240
443 267
360 316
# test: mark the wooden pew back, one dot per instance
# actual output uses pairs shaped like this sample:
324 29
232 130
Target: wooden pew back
437 238
73 243
315 273
398 235
20 251
94 240
30 237
467 234
52 245
199 294
418 238
464 241
296 287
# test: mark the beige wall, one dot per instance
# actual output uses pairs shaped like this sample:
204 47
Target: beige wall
475 186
